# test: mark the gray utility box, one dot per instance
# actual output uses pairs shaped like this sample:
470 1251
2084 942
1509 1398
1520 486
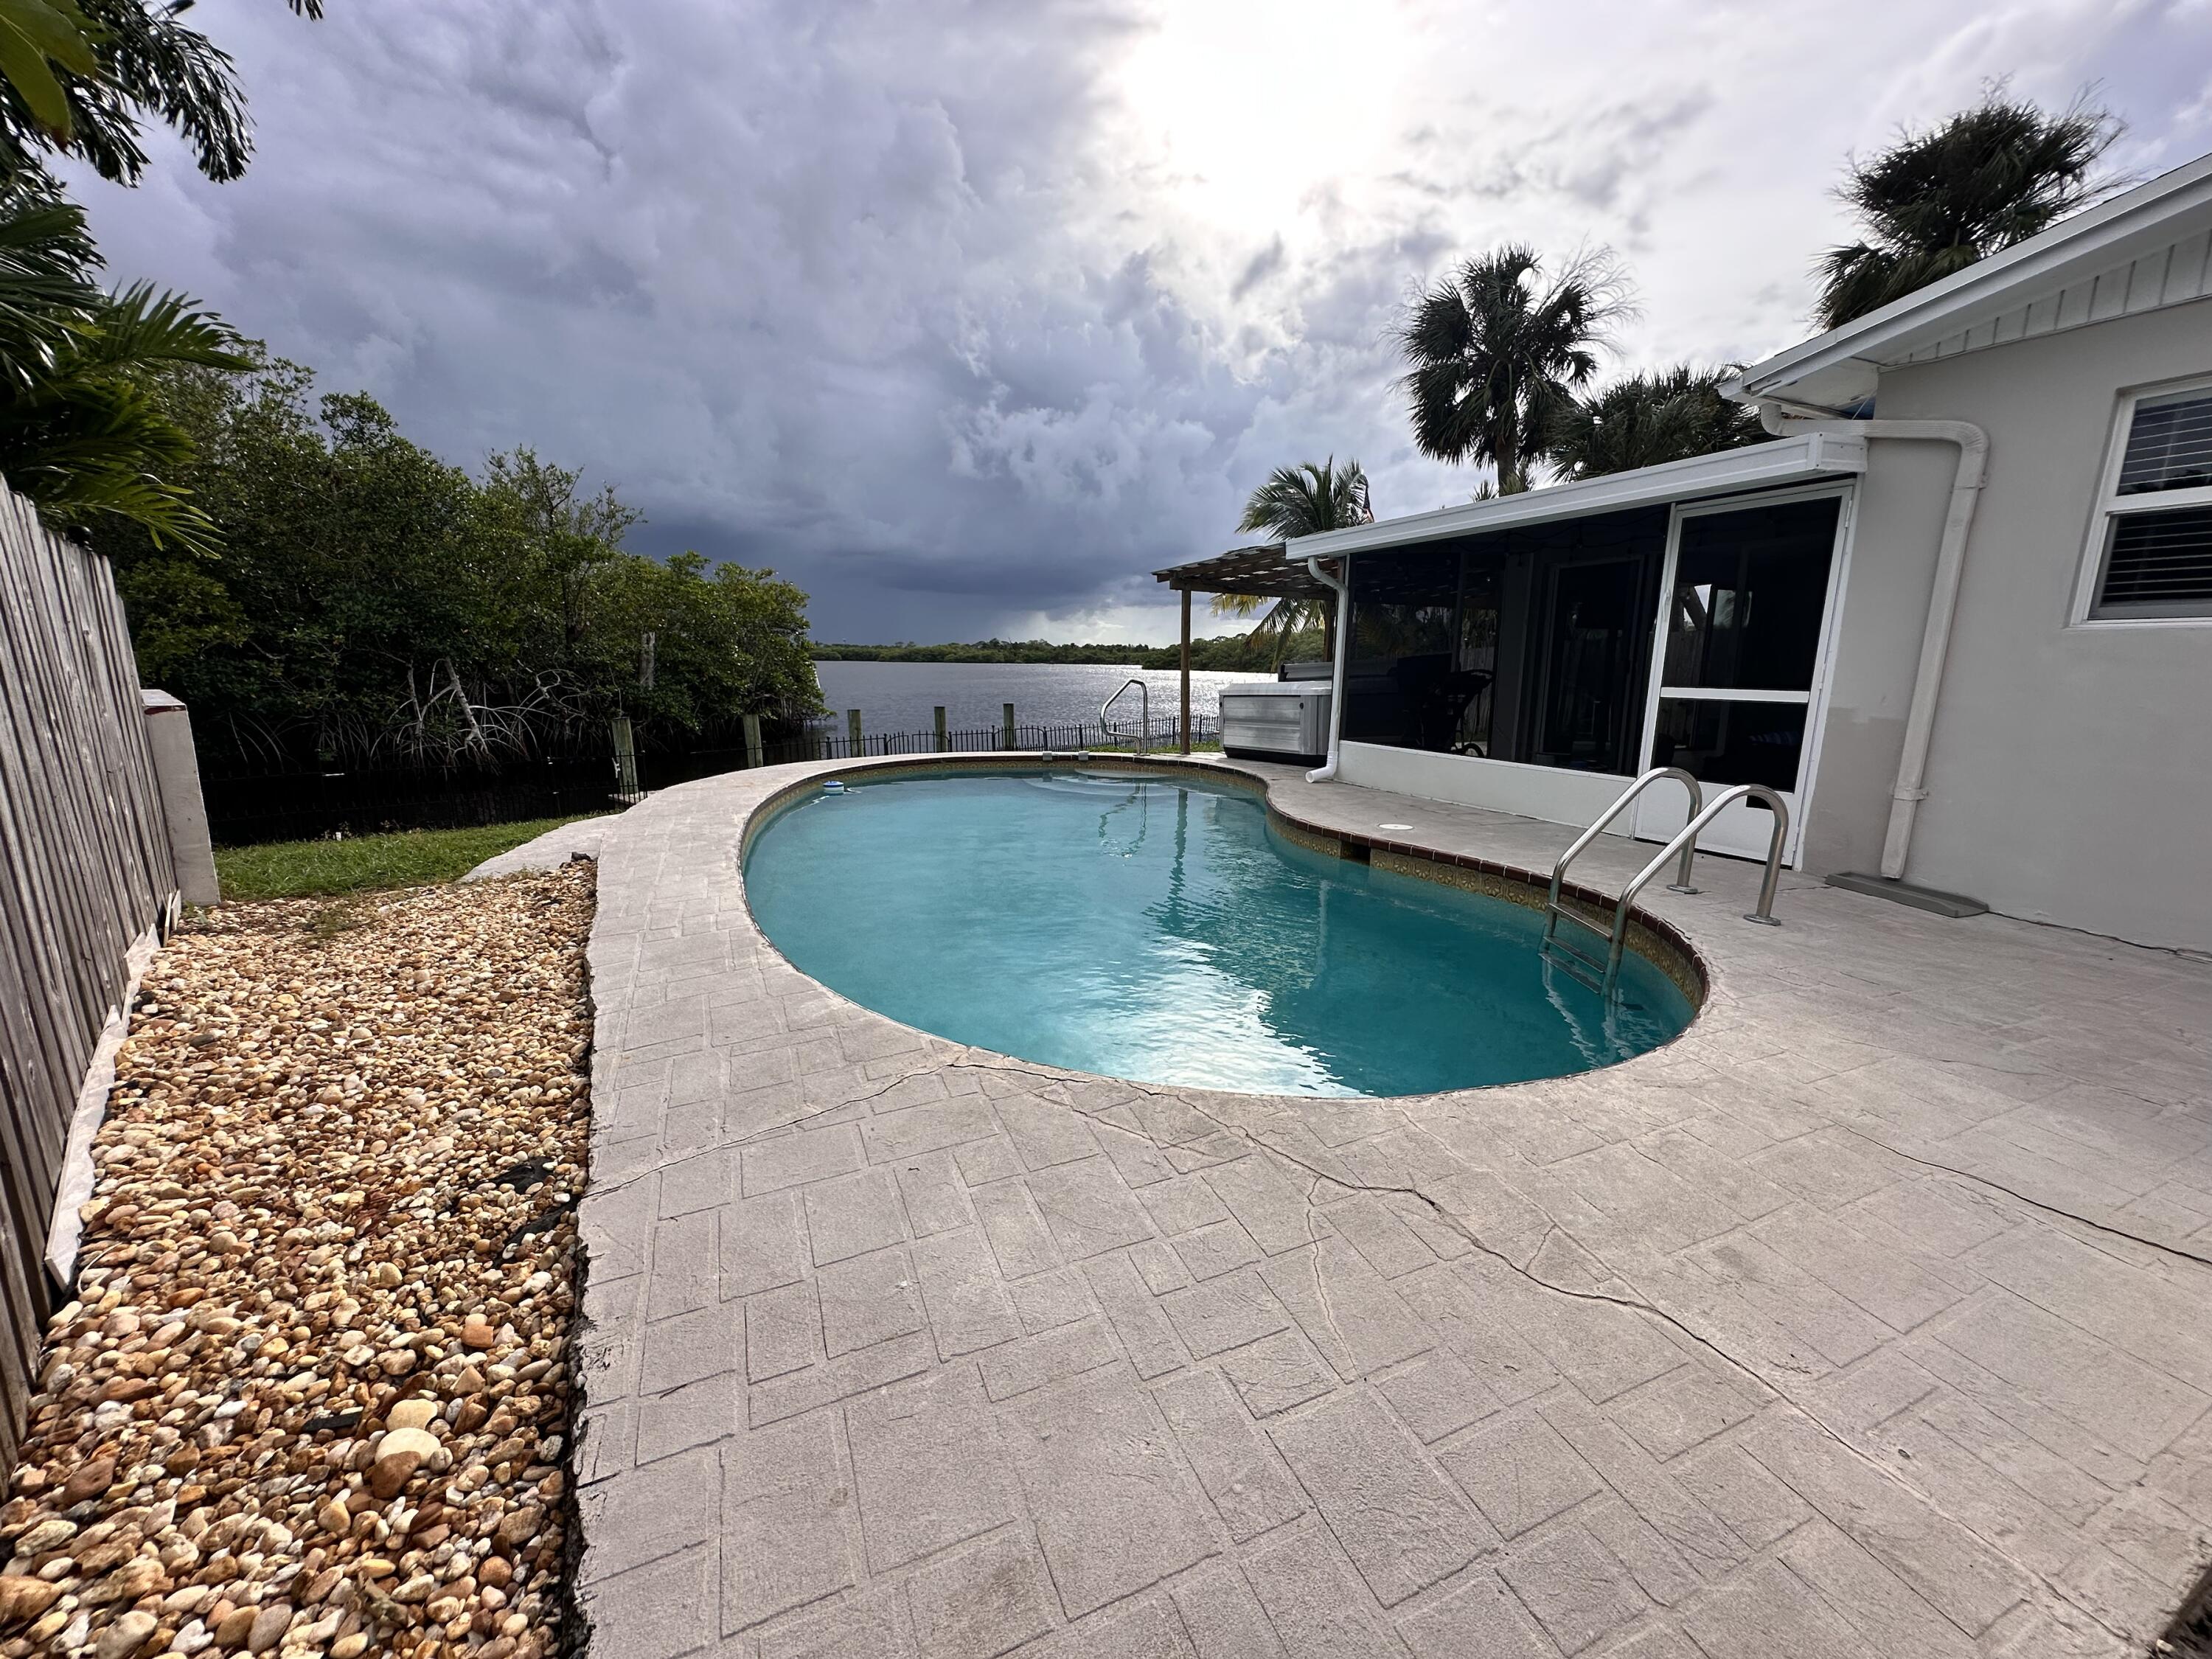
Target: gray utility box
1287 719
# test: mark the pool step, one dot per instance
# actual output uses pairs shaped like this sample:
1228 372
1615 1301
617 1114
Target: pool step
1587 969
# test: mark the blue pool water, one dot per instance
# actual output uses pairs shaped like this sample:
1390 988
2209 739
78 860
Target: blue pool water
1157 929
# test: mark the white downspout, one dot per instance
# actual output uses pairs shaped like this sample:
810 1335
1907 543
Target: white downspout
1326 771
1973 443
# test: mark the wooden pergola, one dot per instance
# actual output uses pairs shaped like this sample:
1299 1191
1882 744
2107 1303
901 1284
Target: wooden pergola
1261 571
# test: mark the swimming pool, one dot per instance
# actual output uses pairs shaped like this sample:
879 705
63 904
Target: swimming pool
1158 929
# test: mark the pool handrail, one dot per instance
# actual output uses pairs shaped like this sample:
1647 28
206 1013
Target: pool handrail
1681 882
1686 837
1143 712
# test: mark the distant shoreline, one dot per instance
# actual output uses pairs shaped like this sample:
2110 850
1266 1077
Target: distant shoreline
1231 653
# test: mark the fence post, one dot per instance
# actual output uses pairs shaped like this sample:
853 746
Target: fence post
943 743
626 780
1007 732
755 754
176 779
858 743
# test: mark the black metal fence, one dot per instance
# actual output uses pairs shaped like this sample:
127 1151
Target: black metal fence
297 805
834 743
246 808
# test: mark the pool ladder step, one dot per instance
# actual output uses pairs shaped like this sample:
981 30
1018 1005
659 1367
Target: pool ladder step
1590 970
1604 977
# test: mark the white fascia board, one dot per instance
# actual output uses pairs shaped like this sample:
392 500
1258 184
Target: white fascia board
1786 460
2110 233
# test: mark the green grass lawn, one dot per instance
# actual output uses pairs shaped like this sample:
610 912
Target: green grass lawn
361 864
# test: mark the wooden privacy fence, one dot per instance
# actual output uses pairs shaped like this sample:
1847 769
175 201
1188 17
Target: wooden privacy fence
85 871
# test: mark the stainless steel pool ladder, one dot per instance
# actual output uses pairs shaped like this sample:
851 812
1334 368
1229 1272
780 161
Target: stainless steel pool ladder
1144 713
1604 977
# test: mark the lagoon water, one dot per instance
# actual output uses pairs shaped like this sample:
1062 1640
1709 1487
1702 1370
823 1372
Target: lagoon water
902 696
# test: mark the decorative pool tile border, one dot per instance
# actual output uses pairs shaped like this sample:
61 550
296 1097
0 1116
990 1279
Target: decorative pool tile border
1647 937
1657 941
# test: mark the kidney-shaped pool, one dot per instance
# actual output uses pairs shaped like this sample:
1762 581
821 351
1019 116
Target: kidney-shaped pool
1157 928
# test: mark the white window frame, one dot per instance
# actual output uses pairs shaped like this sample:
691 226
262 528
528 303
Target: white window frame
2110 506
1815 698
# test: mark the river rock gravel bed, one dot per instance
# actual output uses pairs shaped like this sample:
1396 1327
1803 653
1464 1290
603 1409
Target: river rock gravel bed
314 1396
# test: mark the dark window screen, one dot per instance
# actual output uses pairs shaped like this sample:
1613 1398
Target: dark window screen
1726 742
2169 445
1401 661
1750 589
1476 682
2159 564
1589 659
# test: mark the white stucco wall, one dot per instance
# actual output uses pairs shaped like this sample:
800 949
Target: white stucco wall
1899 515
1549 792
2070 776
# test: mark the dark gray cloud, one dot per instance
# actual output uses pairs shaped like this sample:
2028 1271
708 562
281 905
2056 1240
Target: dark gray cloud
968 315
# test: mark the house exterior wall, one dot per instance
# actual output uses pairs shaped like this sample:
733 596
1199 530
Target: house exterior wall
1898 520
2069 776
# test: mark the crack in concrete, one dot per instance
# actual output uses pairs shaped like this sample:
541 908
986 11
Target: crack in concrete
1636 1302
929 1070
1320 1280
2032 1203
595 1190
1638 1305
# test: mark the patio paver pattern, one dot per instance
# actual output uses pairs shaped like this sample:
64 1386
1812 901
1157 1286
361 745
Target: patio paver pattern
1866 1317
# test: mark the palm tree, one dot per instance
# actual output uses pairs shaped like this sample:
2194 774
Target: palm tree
1299 500
1647 419
1936 202
1309 498
1496 349
82 435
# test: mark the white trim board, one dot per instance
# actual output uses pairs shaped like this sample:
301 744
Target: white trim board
65 1225
1813 457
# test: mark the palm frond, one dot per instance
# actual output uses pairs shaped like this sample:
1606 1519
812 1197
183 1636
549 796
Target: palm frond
88 450
141 327
47 293
1646 420
80 434
1309 498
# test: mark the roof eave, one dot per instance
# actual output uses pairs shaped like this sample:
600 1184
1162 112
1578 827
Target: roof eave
1785 460
2096 238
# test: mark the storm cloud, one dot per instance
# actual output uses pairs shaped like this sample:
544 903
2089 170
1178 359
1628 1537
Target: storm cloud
966 316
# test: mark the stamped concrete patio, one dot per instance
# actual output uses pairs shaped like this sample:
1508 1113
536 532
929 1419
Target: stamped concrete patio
1868 1317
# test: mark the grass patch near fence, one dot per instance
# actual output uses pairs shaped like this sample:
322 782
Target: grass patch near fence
362 864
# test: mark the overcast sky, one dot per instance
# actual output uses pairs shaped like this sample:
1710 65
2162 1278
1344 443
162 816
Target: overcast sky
968 316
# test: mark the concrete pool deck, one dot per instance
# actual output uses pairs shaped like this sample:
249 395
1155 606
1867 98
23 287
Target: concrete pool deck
1866 1317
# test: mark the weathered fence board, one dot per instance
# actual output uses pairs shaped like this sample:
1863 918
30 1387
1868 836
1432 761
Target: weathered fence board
85 870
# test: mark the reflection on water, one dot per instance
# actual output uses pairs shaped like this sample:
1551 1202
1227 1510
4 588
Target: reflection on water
1156 929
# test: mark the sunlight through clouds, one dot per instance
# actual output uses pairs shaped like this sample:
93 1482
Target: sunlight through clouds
1239 113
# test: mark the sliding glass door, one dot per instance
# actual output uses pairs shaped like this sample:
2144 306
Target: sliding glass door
1740 656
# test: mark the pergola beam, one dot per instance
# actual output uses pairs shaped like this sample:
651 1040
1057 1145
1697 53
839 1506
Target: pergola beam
1261 571
1186 671
1257 570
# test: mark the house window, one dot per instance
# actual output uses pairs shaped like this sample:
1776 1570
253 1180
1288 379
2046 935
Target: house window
2154 527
